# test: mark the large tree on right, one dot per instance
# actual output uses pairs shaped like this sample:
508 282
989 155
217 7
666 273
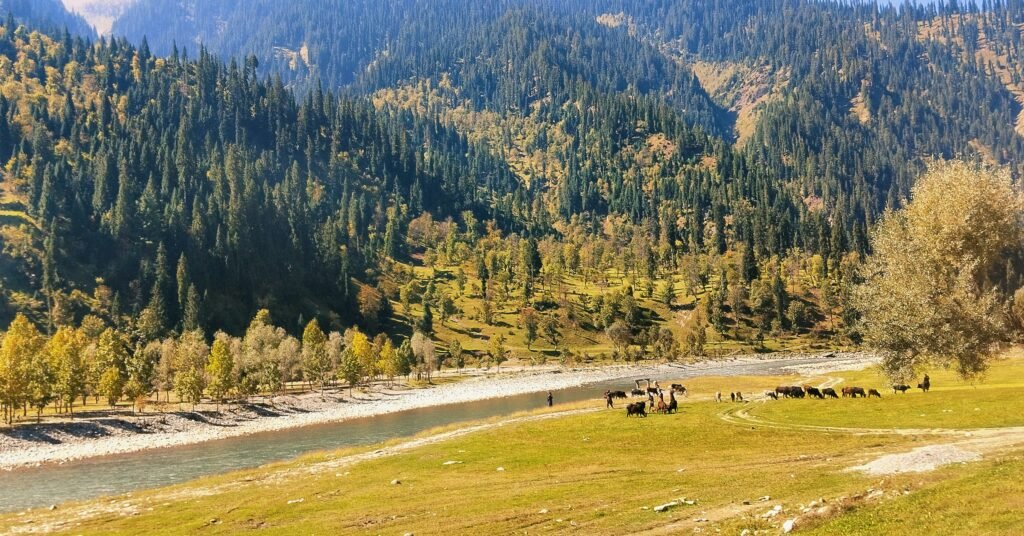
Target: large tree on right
942 271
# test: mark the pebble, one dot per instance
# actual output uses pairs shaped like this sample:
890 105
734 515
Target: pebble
396 482
665 507
787 527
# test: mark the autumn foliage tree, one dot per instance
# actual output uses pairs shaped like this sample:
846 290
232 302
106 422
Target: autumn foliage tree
934 290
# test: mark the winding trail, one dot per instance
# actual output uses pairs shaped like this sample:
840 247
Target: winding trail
953 445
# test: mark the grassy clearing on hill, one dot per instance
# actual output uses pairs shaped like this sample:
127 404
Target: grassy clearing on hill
586 341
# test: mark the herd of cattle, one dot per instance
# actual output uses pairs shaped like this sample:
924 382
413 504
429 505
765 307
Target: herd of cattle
656 396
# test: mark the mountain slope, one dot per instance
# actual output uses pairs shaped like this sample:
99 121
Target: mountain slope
134 165
47 15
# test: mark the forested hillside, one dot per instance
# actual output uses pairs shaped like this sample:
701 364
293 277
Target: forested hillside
841 102
709 168
140 171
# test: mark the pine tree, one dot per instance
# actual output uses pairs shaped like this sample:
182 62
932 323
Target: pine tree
193 313
426 322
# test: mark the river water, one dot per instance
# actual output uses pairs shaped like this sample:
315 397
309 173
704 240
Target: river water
91 478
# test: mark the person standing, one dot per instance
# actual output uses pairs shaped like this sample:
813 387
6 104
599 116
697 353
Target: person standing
608 400
551 399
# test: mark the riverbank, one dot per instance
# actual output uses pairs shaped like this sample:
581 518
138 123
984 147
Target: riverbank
29 446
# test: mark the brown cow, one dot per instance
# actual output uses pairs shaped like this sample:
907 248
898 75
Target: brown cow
873 392
662 406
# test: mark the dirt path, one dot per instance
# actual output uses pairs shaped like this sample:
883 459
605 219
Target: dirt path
956 445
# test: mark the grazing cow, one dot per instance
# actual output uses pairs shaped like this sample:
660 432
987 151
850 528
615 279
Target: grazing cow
662 406
718 396
857 391
813 391
873 392
829 392
636 408
679 388
847 391
900 388
782 390
673 406
617 394
739 396
796 392
637 392
772 395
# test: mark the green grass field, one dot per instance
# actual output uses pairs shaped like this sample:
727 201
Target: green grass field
602 473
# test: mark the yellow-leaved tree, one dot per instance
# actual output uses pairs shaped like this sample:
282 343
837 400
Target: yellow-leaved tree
935 288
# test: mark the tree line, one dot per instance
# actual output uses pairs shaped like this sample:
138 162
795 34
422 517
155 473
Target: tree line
110 365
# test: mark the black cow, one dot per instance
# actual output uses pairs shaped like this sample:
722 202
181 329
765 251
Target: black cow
900 388
772 395
637 408
796 392
813 391
638 392
617 394
829 392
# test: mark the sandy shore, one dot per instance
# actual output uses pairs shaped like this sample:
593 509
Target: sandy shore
64 442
